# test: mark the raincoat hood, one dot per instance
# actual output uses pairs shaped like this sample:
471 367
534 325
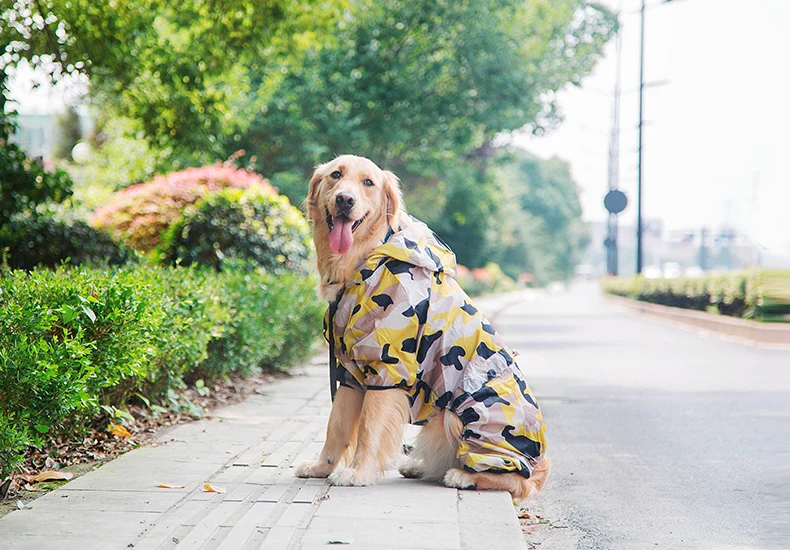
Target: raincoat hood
414 243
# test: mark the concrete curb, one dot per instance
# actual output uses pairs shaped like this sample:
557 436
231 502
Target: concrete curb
754 333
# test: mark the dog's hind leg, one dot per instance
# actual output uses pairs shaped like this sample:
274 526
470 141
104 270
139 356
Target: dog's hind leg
384 412
341 434
517 485
435 450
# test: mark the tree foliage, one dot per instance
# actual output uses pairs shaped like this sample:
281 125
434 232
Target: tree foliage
23 181
541 229
419 85
182 68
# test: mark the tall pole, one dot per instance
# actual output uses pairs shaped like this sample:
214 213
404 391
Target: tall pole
614 160
639 248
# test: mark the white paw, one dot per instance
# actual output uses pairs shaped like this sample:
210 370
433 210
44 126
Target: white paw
351 477
311 468
459 479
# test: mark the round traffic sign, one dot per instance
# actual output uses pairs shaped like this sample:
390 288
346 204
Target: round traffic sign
615 201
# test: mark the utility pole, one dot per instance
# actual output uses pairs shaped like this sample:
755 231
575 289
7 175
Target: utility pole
639 251
612 262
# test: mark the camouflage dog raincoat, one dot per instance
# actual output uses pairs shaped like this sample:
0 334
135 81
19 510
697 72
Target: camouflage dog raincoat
402 321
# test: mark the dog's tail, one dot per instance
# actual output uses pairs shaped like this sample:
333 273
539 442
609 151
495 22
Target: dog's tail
536 480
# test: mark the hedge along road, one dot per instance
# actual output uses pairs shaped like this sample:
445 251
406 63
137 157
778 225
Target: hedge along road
660 437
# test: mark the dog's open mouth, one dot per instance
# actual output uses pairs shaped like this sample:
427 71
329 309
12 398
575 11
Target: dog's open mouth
341 229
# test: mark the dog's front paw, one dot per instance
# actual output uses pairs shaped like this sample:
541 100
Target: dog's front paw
459 479
351 477
313 468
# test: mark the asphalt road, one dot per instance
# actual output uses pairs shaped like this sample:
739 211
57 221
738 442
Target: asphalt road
660 437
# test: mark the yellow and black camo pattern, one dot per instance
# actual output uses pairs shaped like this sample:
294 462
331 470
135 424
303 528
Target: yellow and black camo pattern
403 321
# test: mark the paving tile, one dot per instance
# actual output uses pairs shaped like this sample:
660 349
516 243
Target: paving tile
263 475
411 534
252 454
273 493
111 501
281 455
240 493
185 516
244 527
61 542
309 493
278 538
233 474
295 515
200 532
74 523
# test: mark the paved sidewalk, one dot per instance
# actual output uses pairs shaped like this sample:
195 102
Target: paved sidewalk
250 450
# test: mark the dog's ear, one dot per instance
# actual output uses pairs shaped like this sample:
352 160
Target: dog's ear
312 194
393 194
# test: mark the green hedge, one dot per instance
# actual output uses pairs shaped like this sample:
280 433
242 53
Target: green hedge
33 239
251 224
75 339
754 294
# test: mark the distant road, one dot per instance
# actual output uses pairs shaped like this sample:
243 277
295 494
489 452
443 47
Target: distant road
660 437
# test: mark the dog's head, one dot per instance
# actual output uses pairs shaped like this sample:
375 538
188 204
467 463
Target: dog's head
351 199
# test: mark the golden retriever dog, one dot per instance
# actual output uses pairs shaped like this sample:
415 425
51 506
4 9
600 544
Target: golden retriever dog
411 347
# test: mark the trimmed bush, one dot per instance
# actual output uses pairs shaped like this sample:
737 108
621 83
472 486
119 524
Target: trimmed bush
45 240
746 294
271 319
139 214
77 338
249 225
13 441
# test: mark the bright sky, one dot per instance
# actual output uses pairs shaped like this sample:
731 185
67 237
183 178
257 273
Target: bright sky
717 139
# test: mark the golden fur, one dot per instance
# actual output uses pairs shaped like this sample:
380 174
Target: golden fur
365 430
381 203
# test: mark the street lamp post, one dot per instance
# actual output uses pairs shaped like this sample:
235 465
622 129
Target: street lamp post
639 230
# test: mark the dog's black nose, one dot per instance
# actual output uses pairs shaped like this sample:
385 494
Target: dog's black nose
345 201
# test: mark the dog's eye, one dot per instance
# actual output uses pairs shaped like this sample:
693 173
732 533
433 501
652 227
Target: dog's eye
367 182
336 174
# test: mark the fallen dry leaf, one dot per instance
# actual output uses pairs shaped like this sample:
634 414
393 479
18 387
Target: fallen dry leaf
212 489
169 486
119 430
523 514
50 475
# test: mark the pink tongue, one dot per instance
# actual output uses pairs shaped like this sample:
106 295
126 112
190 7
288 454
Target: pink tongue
340 238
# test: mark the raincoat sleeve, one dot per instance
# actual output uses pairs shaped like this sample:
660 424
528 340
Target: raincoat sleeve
383 331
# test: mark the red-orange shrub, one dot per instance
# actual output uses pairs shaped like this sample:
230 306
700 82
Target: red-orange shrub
139 214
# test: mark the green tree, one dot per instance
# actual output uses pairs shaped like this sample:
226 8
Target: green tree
422 85
23 181
182 69
541 227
